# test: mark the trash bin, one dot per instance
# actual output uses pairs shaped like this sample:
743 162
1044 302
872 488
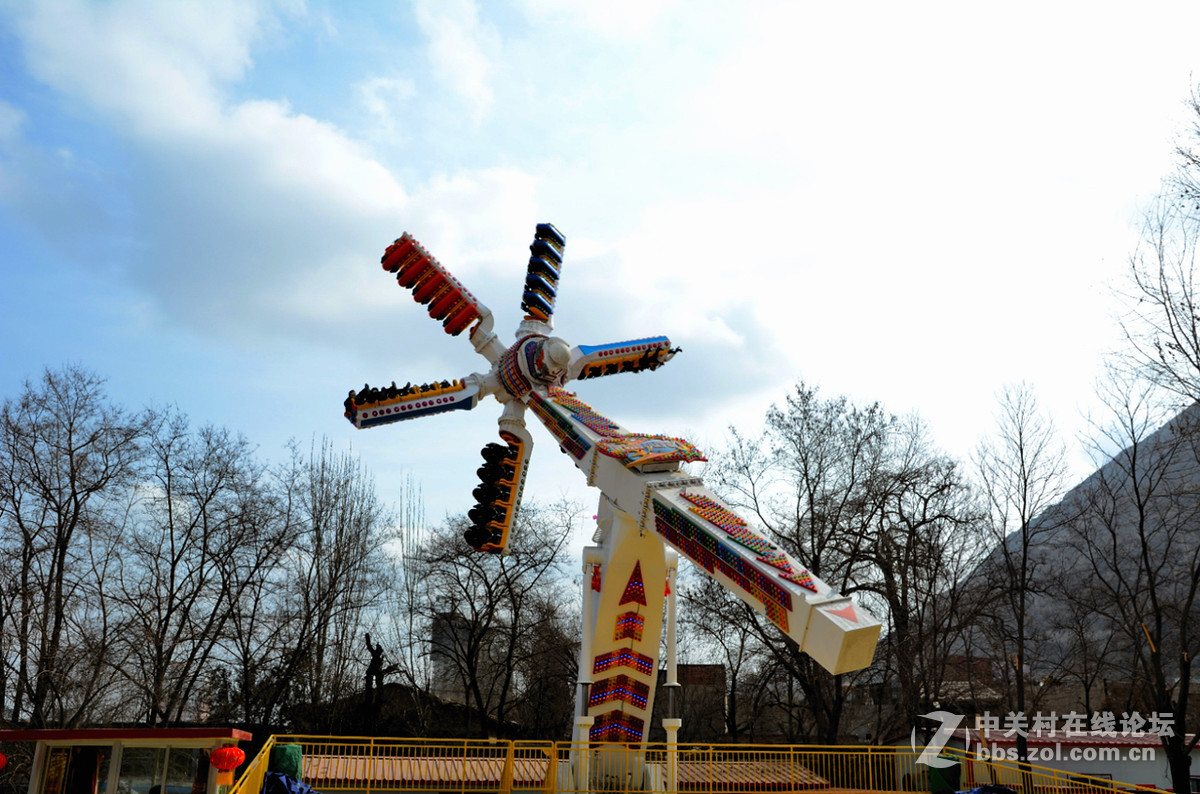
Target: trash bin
946 779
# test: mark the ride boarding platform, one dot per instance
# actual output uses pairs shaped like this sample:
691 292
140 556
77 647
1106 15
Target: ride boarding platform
371 765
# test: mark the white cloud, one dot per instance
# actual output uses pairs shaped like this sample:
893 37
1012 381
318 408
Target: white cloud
11 144
614 19
870 197
236 203
155 66
11 120
383 98
458 46
475 217
301 156
251 219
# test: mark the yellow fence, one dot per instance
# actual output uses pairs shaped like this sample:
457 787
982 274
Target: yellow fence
364 765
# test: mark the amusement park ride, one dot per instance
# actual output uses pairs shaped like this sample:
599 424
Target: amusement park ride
647 504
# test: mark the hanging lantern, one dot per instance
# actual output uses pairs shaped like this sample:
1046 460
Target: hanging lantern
3 760
226 759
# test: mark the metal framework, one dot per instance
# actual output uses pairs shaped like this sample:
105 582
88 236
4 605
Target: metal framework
651 510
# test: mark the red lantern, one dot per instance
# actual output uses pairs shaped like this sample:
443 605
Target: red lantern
226 759
3 760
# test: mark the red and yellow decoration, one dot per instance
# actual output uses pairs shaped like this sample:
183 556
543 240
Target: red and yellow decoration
226 759
635 591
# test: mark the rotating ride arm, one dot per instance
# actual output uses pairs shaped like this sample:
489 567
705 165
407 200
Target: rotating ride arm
498 495
636 355
641 476
371 407
448 300
541 277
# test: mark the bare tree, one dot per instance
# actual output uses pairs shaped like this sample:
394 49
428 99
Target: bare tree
66 457
1137 535
204 530
548 667
1022 472
722 630
334 575
806 481
1162 308
488 617
863 498
926 536
153 572
1161 303
1089 649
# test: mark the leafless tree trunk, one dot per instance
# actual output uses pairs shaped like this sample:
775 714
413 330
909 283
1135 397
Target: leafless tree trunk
1138 533
489 617
926 537
1022 473
66 457
861 497
203 531
334 576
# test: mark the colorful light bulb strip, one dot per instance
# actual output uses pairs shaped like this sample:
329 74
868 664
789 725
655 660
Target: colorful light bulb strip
619 688
713 511
629 627
708 552
508 370
635 591
752 541
804 579
448 300
631 448
597 423
559 426
617 726
777 559
638 450
777 614
624 657
716 513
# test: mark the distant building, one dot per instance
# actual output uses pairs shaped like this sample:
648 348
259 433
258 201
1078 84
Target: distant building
701 703
449 633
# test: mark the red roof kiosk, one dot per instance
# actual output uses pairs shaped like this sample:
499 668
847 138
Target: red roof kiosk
124 760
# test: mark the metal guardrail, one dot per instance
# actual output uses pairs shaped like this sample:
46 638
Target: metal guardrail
251 780
366 765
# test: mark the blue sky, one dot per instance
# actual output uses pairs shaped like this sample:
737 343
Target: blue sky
916 203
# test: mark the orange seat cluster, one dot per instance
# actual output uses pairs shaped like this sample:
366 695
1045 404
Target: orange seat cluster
498 495
447 299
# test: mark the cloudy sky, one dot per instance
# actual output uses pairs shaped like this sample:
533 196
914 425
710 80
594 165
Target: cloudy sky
916 203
